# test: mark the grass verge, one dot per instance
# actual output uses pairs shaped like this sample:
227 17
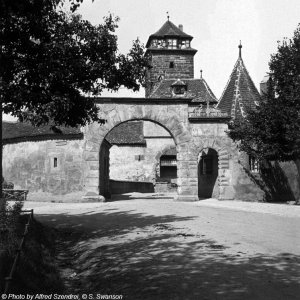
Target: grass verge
37 270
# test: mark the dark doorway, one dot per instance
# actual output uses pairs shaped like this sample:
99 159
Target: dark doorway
207 173
168 167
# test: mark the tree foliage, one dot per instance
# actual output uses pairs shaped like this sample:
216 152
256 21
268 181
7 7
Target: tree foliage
50 58
272 130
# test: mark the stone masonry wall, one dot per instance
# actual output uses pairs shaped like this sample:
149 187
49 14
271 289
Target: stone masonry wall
137 163
172 117
30 165
190 140
183 66
68 170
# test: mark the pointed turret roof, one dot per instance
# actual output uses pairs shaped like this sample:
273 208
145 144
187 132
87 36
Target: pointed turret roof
240 92
168 30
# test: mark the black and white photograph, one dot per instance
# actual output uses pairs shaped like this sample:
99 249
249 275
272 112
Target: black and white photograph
150 149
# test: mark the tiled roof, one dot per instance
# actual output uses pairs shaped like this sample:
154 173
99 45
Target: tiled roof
16 132
197 89
240 92
178 82
169 30
129 133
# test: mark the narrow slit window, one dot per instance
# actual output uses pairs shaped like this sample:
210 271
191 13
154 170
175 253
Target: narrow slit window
171 65
55 162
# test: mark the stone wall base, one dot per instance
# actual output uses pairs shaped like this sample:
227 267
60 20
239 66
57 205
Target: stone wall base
97 198
187 198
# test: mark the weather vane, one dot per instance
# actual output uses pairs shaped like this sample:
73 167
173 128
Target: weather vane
168 15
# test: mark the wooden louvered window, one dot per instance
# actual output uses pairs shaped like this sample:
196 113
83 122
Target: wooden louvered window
253 165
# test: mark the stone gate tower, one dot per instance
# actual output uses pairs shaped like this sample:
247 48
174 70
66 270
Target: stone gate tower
171 56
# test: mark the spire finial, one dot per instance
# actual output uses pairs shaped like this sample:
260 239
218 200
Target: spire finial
201 74
168 15
240 50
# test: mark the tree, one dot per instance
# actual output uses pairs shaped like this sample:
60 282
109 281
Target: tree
272 130
50 58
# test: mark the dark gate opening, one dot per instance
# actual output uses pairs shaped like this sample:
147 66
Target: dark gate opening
207 173
127 161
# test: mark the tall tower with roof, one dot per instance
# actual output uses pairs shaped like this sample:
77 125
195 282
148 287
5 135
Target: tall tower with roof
171 55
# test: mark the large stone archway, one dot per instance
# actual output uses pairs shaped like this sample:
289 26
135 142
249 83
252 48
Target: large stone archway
173 117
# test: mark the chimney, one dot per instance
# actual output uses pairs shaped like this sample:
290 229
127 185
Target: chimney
264 84
180 26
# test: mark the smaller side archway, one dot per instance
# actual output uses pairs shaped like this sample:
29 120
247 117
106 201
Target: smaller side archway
165 170
208 171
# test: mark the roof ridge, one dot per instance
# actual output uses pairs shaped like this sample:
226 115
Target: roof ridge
228 81
237 94
249 82
156 86
208 89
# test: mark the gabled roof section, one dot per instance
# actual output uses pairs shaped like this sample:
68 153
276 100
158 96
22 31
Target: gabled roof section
240 93
16 132
178 82
129 133
197 89
169 30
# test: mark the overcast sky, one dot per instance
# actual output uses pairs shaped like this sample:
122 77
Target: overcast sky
216 25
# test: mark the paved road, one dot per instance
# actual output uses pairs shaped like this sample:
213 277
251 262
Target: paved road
159 249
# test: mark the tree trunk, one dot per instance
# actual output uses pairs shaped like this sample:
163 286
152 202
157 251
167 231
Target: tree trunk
2 203
297 162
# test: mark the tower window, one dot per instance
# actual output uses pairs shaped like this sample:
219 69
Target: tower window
184 44
172 44
171 65
55 162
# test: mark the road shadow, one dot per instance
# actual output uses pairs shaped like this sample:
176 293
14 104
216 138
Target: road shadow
144 196
144 256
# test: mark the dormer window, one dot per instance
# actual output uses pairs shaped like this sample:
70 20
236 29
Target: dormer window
179 88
